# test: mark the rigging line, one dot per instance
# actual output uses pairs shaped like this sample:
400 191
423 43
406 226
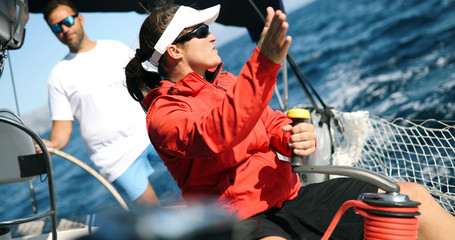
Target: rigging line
257 10
294 67
285 83
278 98
13 82
283 106
300 73
299 78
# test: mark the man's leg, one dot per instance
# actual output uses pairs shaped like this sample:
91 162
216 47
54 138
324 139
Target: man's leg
149 197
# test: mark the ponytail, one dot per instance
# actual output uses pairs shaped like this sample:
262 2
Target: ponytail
140 81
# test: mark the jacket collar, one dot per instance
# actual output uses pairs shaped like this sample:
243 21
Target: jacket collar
190 84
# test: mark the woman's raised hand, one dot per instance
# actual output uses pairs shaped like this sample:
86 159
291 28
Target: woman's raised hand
274 43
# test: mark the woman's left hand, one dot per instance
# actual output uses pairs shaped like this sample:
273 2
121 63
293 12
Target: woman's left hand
303 138
274 43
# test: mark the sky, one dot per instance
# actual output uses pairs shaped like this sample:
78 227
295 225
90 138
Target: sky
41 50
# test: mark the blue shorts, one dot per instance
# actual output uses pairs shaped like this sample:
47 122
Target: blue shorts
148 167
134 180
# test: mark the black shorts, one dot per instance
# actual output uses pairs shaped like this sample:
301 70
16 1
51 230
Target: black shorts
310 213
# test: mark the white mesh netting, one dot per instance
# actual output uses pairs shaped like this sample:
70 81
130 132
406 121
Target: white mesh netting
405 150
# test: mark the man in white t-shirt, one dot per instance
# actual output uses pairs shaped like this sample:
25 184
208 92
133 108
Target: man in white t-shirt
88 84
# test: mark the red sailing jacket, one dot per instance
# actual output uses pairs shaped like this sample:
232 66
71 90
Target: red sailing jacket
220 138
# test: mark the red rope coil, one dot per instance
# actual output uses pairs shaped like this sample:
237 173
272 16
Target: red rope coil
380 227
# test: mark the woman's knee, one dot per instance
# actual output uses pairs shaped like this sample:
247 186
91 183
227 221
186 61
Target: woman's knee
415 191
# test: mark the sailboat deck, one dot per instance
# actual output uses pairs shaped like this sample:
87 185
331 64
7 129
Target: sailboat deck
67 228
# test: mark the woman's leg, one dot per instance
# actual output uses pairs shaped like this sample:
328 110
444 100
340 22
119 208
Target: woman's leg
435 222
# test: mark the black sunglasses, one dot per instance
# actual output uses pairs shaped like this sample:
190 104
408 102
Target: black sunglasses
69 21
199 32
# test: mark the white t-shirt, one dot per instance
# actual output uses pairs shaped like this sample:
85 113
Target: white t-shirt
91 87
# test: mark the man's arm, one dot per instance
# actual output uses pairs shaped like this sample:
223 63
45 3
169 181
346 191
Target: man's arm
60 134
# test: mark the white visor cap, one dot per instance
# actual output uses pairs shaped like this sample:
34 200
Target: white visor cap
183 18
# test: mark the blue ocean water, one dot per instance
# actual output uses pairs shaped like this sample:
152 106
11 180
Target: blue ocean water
391 58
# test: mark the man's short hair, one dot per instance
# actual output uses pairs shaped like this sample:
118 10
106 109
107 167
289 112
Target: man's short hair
53 4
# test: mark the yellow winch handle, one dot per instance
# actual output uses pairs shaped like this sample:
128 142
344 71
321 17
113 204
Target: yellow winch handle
299 113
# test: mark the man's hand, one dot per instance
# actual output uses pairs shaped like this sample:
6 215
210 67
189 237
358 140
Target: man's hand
274 43
59 137
46 142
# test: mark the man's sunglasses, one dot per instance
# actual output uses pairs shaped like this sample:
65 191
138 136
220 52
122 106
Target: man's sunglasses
199 32
69 21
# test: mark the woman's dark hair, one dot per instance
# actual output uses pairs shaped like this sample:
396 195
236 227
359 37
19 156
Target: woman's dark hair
138 80
53 4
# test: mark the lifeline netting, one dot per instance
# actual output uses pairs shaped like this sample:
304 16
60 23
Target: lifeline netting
405 150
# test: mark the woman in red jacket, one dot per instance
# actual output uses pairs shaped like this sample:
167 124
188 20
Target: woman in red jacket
219 139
